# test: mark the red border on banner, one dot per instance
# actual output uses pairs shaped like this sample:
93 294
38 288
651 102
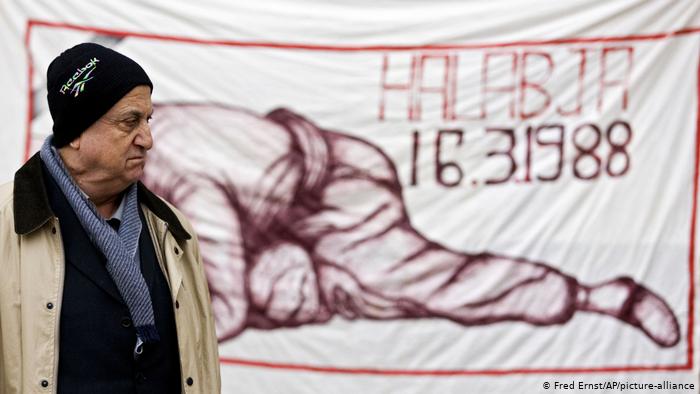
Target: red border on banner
31 23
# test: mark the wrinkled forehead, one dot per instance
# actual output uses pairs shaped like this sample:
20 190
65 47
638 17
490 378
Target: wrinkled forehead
135 103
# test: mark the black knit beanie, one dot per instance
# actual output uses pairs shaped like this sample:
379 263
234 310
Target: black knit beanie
83 83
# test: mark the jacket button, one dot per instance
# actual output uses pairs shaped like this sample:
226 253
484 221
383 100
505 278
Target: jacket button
49 305
177 251
126 322
190 382
177 304
44 383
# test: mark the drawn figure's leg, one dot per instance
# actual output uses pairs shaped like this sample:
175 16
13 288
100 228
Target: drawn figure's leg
376 265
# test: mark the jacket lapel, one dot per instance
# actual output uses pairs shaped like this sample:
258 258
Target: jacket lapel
82 255
169 262
30 205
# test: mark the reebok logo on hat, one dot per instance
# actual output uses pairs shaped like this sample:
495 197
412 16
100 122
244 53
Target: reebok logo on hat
80 85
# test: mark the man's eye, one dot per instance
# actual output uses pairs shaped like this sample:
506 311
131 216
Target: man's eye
150 117
131 122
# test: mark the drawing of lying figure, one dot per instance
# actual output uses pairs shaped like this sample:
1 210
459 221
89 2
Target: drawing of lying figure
298 224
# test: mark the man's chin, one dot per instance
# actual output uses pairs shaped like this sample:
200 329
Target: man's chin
134 173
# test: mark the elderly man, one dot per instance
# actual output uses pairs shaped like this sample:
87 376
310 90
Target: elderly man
102 287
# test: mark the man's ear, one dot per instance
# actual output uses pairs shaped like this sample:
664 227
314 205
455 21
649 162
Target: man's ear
75 144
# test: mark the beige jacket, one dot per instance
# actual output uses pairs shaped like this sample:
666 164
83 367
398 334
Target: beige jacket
32 272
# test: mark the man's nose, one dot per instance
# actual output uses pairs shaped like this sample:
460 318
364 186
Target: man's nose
144 138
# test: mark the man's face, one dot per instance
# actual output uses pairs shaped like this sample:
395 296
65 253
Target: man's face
114 148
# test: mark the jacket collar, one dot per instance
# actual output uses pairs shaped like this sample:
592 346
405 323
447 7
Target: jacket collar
31 205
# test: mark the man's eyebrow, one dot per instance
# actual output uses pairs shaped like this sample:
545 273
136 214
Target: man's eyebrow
132 113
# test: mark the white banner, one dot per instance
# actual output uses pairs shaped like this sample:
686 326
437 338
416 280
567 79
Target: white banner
417 197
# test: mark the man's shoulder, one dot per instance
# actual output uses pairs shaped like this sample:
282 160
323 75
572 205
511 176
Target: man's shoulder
7 219
180 216
179 225
6 193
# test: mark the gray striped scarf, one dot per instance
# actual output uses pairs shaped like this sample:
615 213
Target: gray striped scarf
121 248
